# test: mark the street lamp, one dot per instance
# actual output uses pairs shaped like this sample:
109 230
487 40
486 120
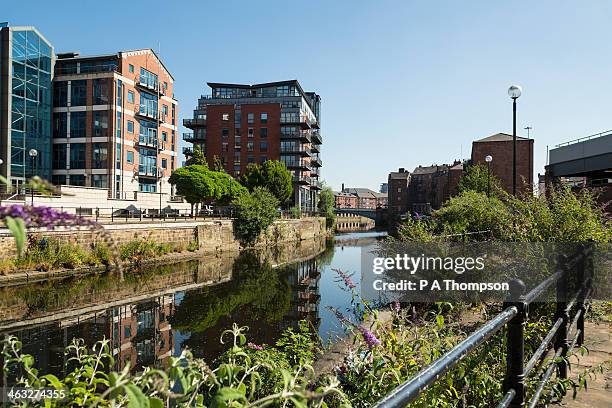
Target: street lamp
514 92
488 159
33 153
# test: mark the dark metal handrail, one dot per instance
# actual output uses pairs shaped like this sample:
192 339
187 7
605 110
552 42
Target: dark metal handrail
514 316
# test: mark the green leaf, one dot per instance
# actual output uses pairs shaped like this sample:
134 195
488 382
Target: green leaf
155 402
136 398
18 229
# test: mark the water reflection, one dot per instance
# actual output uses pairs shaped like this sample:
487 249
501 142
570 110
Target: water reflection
158 311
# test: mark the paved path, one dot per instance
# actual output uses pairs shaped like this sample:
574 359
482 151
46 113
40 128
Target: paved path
599 394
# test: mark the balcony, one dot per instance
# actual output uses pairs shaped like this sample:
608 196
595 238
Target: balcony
316 137
147 171
194 137
147 112
188 151
147 83
297 164
303 136
316 185
296 149
301 120
304 180
315 148
193 123
147 140
316 161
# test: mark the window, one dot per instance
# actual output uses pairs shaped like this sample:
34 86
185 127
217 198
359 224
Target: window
263 132
130 157
250 159
165 110
250 118
100 124
165 85
100 92
77 157
127 330
164 136
225 132
263 146
250 146
263 117
131 69
226 116
130 96
130 126
237 132
60 94
99 180
99 155
77 124
224 147
58 179
165 163
60 124
263 159
78 93
77 180
59 156
251 132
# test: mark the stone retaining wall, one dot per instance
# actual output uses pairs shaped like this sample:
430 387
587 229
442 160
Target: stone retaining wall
212 236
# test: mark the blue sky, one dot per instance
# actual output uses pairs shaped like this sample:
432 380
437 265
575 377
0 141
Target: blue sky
403 83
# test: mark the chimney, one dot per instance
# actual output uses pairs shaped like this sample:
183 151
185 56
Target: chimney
342 187
402 170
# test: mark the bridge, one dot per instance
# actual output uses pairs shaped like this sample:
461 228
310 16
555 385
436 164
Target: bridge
589 156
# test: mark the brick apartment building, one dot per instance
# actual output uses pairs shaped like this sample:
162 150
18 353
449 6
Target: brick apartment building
244 124
499 146
362 198
431 186
114 123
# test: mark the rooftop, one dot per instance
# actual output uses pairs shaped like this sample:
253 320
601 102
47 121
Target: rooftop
500 137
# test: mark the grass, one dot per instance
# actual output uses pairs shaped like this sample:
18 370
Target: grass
44 254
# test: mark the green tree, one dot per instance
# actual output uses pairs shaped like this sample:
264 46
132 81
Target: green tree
198 183
326 206
273 175
255 212
475 178
218 164
198 157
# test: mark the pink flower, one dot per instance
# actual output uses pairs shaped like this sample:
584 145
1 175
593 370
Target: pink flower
254 346
346 278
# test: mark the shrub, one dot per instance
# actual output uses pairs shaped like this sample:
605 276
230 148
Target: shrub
326 207
295 212
255 212
193 246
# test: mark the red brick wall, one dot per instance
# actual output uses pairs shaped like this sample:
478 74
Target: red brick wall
501 167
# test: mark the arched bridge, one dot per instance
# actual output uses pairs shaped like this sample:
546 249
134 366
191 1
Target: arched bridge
377 214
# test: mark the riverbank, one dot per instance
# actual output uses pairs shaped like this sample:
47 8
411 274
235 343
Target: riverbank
172 240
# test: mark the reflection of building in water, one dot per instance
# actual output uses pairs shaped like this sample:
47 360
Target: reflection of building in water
304 281
141 335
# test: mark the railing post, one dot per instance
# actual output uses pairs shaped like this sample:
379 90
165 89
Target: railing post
515 344
582 287
112 214
140 214
562 312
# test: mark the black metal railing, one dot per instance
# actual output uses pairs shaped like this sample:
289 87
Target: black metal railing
514 316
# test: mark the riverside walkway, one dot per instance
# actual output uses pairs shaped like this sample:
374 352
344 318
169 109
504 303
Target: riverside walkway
599 393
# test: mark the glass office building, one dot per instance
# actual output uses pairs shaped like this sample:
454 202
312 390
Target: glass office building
26 73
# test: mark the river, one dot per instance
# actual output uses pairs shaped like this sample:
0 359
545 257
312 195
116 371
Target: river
157 311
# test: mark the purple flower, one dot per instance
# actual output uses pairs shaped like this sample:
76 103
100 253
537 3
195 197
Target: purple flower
369 337
339 315
346 278
44 217
254 346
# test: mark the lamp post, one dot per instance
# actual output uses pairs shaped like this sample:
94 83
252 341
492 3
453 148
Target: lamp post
488 159
33 153
514 92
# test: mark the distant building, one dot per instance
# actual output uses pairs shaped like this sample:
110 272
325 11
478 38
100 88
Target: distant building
431 186
345 200
398 207
243 124
384 187
499 147
26 74
362 198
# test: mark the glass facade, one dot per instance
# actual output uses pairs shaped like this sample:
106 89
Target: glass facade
30 95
